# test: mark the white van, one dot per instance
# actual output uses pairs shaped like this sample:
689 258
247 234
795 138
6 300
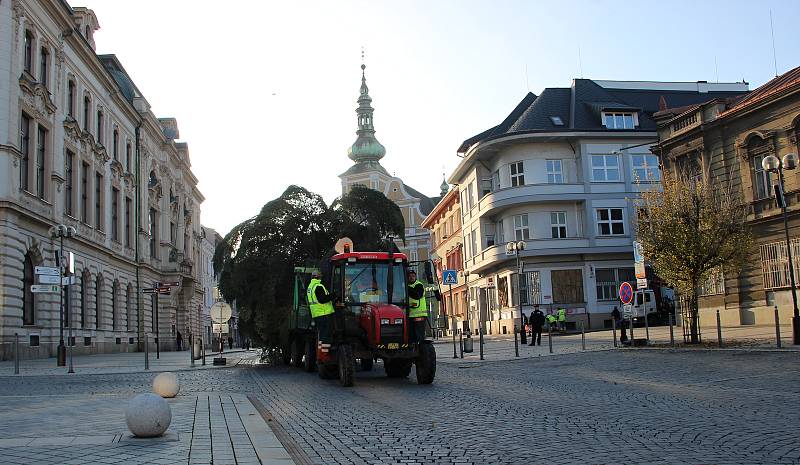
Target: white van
645 303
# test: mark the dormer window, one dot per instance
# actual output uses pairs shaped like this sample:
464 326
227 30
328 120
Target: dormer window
620 120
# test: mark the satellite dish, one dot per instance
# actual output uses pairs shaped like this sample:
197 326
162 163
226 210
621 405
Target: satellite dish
220 312
344 245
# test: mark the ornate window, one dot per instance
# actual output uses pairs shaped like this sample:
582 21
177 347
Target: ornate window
87 106
68 187
129 307
128 156
98 200
71 98
100 126
114 309
115 214
43 66
28 298
25 149
28 64
41 144
757 149
115 143
127 222
85 280
85 192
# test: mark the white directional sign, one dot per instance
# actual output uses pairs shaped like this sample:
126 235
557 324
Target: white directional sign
45 288
627 311
220 327
49 279
67 280
220 312
48 270
449 277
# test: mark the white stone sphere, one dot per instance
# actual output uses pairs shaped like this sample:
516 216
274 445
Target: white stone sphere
166 385
148 415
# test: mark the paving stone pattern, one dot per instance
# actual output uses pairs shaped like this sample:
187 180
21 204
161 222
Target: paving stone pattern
603 407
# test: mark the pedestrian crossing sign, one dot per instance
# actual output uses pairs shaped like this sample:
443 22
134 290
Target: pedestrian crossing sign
449 277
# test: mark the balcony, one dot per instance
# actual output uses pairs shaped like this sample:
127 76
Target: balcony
511 196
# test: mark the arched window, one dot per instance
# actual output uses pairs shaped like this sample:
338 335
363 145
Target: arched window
98 292
43 66
85 280
87 103
757 149
100 126
71 98
114 296
115 142
153 181
129 307
28 298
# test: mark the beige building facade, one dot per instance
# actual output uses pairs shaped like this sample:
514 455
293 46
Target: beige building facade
79 146
726 139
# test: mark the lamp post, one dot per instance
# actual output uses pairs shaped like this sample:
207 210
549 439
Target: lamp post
517 247
61 231
774 164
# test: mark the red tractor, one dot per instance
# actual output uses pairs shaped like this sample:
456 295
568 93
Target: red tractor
370 321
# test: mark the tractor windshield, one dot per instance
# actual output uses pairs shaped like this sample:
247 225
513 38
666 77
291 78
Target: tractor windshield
368 282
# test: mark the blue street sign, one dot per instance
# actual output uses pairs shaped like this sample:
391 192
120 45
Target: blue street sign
449 277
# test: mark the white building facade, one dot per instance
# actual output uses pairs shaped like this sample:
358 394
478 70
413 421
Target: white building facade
79 146
561 173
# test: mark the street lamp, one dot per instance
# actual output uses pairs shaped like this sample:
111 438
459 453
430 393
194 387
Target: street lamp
61 231
773 164
516 248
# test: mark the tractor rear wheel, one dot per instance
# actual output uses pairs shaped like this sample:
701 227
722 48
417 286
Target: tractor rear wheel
366 364
426 363
295 355
310 356
397 368
347 365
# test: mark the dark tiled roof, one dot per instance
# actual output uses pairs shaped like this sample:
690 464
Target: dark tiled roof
786 81
582 113
426 204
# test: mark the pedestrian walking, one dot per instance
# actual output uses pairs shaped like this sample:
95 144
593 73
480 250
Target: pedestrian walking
230 342
179 341
536 322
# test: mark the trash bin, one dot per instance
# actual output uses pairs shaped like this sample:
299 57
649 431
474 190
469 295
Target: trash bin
197 349
468 344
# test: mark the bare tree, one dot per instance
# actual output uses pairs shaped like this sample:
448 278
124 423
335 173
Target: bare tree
691 228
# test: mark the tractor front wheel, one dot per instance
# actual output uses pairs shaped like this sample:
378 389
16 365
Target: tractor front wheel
426 363
347 365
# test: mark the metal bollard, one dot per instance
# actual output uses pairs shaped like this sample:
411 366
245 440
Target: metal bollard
16 352
550 338
454 345
146 353
516 345
631 322
191 351
614 331
583 337
461 343
777 328
719 331
203 351
646 328
671 334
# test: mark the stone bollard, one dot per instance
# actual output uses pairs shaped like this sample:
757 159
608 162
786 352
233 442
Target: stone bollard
719 331
16 350
777 328
148 415
166 385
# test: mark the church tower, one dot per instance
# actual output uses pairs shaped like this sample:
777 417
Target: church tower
366 153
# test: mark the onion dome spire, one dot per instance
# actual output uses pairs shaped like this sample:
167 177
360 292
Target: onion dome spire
366 147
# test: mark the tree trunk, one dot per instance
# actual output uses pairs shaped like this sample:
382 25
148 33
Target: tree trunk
694 320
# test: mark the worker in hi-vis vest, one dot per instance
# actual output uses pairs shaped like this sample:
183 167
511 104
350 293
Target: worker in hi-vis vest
562 319
417 307
320 302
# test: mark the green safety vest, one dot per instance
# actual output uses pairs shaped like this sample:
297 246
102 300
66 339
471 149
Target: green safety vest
562 314
317 309
551 318
419 308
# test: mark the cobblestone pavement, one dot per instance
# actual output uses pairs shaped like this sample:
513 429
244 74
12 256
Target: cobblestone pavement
616 406
600 407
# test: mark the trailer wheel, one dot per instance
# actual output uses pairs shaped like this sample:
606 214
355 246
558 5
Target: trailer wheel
347 365
397 368
327 371
310 356
426 363
366 364
296 355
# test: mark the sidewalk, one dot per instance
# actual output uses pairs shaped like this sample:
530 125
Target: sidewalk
501 347
132 362
206 428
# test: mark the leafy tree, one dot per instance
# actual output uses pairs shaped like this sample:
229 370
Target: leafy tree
690 229
256 259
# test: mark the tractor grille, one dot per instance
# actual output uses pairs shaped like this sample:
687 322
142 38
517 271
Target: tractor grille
391 333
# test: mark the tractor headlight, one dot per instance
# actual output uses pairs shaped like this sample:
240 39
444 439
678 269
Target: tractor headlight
398 321
384 321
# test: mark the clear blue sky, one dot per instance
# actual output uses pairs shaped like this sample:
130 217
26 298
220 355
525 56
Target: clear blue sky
265 92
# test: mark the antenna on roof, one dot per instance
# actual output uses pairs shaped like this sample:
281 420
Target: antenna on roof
772 30
580 62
